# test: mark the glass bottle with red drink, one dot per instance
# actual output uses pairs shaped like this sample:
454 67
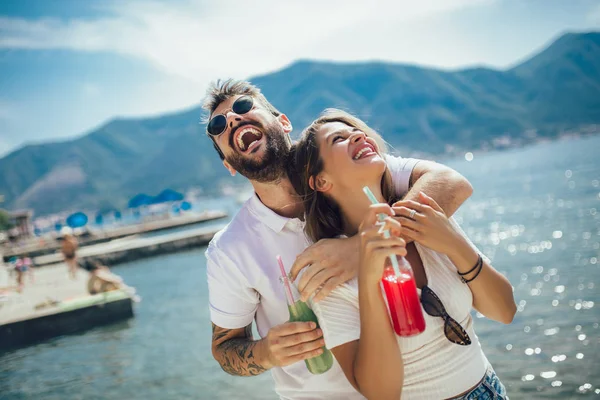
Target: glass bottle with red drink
403 300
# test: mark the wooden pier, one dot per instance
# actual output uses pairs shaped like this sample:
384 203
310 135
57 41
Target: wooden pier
41 246
54 304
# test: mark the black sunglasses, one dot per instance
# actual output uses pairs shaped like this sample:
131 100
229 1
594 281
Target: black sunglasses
218 123
434 307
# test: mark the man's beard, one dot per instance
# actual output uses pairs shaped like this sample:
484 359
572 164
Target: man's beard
271 168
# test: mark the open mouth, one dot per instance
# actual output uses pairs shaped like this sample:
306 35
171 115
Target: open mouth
248 138
366 150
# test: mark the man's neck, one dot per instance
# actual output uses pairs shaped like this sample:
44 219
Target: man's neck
280 197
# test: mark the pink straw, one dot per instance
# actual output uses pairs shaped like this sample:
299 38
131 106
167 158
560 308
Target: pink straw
286 282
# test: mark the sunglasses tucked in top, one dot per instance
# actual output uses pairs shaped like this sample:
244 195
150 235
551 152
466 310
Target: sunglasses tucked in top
434 307
218 123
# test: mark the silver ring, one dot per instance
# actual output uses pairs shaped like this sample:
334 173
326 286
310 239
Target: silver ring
412 214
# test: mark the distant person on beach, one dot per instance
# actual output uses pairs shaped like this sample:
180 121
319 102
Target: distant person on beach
253 138
23 266
336 156
69 248
101 279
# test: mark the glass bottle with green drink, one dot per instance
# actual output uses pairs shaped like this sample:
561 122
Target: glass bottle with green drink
300 312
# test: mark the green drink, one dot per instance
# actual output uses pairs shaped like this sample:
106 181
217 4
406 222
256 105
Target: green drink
300 312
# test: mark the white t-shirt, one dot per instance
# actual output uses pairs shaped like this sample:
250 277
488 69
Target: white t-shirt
243 283
434 367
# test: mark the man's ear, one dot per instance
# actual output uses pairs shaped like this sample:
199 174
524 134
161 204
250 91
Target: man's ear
322 184
229 168
285 122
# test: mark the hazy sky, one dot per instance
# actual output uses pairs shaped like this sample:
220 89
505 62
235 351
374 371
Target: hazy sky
67 66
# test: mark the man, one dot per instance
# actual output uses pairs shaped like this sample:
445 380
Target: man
68 248
252 138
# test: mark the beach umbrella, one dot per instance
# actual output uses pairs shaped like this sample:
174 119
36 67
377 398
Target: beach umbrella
99 219
140 200
168 195
77 220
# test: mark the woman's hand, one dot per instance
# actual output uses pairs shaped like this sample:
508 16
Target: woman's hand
425 223
374 248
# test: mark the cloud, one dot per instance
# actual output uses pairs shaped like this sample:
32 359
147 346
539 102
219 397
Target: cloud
201 40
90 89
593 15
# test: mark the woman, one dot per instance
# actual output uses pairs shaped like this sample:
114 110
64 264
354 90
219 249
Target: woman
336 156
101 279
23 266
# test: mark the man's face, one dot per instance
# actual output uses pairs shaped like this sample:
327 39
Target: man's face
255 144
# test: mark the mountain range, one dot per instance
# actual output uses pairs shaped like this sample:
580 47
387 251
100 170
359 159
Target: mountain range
417 109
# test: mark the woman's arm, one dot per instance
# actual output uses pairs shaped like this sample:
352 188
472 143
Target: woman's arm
492 292
373 364
429 226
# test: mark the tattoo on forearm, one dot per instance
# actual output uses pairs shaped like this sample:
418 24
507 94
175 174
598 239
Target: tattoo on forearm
235 351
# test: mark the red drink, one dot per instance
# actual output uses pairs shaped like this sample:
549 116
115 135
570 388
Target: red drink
403 301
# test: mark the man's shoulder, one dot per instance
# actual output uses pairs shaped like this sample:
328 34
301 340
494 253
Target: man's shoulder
236 231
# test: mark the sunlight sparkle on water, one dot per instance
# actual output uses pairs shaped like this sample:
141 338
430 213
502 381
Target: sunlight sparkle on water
559 358
551 331
559 289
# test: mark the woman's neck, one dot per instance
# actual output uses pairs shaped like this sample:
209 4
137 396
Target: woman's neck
354 205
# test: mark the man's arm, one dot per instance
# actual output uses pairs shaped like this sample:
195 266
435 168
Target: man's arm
239 354
446 186
234 350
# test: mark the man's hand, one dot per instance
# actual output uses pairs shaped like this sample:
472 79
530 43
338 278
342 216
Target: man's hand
328 263
291 342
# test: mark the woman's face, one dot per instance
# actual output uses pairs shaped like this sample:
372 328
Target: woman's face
351 159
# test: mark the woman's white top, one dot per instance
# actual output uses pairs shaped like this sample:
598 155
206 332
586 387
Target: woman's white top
434 367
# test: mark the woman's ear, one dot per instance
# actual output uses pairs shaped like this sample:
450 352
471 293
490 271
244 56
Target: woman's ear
311 182
322 184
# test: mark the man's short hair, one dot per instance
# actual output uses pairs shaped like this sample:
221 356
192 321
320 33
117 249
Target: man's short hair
219 91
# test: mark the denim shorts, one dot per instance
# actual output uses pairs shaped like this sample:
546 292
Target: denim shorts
490 388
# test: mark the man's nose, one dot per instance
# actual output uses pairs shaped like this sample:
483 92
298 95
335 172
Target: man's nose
232 119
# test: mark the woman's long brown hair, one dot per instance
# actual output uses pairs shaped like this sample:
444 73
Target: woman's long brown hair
323 216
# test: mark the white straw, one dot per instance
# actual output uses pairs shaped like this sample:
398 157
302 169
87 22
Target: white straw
386 233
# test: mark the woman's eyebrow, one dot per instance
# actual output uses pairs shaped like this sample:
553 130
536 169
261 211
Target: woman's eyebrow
338 132
332 135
